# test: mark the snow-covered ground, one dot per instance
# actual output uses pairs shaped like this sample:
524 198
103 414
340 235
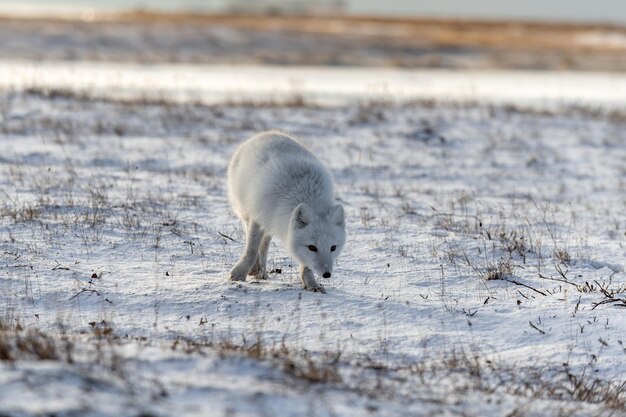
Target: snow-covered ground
212 84
483 273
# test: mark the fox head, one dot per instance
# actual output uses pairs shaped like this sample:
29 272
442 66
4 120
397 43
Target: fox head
316 239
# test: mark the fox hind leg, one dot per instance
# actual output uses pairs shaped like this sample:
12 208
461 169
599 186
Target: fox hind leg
254 234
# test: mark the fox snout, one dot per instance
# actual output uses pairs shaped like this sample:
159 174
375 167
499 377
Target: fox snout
326 270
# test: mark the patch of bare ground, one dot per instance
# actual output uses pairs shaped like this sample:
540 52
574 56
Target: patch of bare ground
320 40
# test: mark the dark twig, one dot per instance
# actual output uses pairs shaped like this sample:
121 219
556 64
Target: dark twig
82 291
559 280
512 281
622 303
226 236
58 266
536 328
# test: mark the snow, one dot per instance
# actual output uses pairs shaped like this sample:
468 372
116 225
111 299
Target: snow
438 196
211 84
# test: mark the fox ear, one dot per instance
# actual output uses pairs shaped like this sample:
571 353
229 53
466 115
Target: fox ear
337 215
301 216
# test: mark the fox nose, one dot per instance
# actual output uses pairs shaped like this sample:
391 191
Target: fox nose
326 275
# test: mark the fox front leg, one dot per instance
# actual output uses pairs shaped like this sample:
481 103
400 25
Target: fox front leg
259 270
308 280
250 253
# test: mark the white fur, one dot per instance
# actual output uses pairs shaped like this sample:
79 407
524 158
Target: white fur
280 189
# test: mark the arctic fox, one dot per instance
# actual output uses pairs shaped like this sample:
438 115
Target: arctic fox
280 189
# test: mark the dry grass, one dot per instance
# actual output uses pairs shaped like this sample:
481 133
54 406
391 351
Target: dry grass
463 370
299 364
24 212
466 370
16 343
438 31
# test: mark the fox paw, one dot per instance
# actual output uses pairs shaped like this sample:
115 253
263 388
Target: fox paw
237 275
261 276
317 288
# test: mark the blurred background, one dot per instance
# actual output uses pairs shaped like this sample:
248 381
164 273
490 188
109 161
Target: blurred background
569 10
576 35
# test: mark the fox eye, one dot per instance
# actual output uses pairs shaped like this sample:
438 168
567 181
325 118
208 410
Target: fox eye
312 248
333 248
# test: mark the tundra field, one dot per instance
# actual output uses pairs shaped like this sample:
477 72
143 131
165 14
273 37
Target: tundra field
483 273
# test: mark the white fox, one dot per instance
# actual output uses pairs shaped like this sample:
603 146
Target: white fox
280 189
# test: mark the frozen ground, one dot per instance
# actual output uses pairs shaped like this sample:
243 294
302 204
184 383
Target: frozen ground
483 274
